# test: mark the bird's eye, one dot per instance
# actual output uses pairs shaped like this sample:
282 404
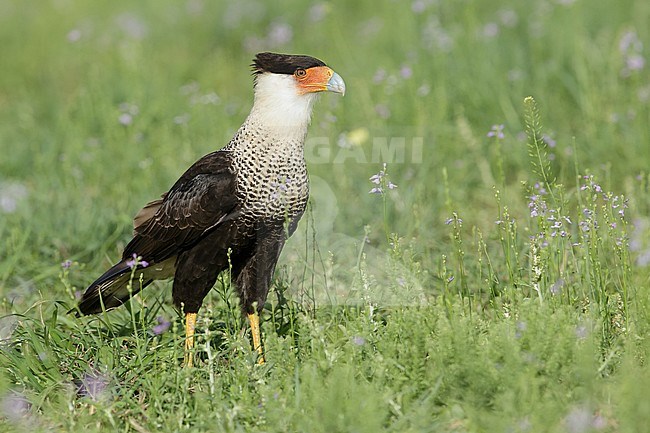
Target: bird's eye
300 73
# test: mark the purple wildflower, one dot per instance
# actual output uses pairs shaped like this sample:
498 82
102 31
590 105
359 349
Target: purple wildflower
537 206
623 205
128 112
496 131
634 62
591 185
630 42
125 119
136 261
358 340
406 72
162 326
549 140
66 264
381 180
540 188
631 48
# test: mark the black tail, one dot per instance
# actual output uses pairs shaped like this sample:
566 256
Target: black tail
110 290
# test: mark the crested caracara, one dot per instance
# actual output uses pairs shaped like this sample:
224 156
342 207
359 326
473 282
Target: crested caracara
232 209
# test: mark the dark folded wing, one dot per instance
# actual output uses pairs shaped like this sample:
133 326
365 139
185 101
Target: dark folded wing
203 197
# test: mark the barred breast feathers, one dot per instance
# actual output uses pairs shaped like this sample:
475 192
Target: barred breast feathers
272 180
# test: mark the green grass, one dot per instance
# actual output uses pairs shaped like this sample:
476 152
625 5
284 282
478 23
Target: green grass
497 288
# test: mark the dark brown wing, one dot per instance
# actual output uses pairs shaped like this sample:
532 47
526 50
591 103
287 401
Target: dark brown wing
146 213
203 197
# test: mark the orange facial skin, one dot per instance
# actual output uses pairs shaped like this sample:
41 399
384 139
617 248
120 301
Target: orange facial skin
313 79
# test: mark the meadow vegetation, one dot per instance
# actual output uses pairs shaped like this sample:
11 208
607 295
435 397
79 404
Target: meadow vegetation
475 258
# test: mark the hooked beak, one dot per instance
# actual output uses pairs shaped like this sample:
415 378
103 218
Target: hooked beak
336 84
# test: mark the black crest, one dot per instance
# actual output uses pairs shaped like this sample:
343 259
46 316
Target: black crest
282 63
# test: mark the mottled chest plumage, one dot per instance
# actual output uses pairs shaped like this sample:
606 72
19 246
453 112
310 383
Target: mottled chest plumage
272 179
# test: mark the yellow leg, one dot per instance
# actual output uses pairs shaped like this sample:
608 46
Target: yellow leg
254 320
190 324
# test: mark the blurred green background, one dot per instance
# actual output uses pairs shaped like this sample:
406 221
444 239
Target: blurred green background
442 71
104 104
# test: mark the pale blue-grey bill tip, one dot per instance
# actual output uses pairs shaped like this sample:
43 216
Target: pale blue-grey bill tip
336 84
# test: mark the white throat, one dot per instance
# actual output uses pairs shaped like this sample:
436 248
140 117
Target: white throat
279 108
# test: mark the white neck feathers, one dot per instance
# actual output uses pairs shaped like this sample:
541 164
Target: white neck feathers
279 108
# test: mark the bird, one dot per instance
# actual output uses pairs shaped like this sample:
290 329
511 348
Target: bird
233 209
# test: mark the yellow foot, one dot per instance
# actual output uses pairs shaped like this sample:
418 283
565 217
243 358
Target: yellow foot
254 320
190 324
